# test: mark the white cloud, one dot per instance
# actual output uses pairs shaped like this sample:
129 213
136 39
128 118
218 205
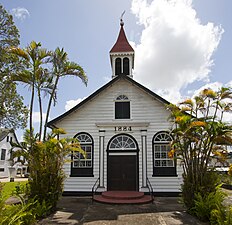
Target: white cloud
36 117
71 103
214 86
175 48
20 13
229 84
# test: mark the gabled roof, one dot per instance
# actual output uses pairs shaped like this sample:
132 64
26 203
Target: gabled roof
4 132
85 101
122 44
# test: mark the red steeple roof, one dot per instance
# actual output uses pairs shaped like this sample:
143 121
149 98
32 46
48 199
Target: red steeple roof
122 44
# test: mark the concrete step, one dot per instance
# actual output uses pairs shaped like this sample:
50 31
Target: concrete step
123 197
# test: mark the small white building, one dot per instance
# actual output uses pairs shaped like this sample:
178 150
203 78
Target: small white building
124 129
7 136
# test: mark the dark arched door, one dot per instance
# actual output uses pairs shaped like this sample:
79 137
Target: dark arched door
122 165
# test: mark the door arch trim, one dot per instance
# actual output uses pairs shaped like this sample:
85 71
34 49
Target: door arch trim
123 134
123 152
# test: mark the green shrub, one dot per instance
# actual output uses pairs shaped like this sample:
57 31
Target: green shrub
41 210
206 203
17 214
206 184
220 216
25 213
46 163
46 160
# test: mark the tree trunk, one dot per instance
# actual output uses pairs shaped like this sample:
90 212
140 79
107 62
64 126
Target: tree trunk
49 107
41 114
31 112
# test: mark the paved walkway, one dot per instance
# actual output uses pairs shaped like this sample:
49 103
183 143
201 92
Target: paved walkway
81 211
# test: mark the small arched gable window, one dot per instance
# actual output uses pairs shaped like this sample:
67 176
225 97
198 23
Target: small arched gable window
118 66
80 165
122 98
162 164
126 66
122 107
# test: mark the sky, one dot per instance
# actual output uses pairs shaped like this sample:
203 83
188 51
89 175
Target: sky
181 46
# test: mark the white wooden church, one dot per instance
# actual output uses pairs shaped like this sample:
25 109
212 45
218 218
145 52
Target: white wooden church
124 129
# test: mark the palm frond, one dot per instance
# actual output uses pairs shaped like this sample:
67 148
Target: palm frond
19 52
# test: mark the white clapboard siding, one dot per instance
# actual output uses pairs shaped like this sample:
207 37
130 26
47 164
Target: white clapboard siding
100 110
4 164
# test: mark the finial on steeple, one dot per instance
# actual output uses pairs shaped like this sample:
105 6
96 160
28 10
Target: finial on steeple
121 20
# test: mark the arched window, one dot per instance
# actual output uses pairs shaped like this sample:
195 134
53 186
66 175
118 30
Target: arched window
162 164
126 66
122 98
80 165
118 66
122 107
122 142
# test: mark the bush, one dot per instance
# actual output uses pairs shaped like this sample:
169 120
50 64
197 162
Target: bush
220 216
25 213
207 184
17 214
45 185
42 210
46 169
206 203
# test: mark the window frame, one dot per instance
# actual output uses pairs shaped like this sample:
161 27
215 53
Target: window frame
3 149
126 66
127 143
85 171
167 170
118 66
120 102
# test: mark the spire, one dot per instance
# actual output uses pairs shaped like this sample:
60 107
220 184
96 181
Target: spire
122 44
122 54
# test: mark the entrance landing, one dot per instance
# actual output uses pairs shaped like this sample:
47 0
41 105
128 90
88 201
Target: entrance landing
123 197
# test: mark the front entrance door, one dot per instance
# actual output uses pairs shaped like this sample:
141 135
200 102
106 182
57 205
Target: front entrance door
122 173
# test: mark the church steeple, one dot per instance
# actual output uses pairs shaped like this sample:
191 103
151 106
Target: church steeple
122 55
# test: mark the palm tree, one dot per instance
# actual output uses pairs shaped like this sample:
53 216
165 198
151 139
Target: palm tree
62 67
35 56
199 135
43 84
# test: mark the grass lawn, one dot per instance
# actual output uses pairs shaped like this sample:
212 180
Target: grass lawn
9 187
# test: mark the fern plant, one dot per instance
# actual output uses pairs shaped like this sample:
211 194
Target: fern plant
205 204
42 209
18 214
221 216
